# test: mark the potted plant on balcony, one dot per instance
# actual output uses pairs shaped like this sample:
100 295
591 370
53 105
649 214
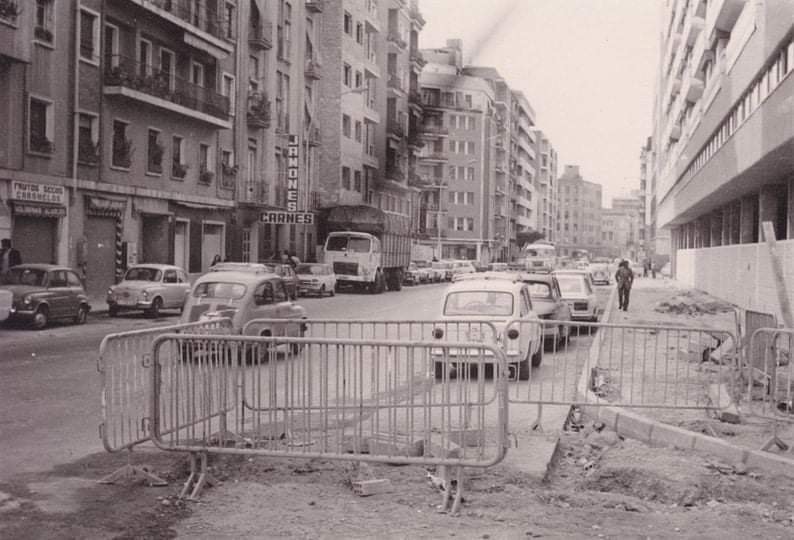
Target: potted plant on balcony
178 169
43 34
229 174
41 144
9 9
156 158
122 153
88 152
206 175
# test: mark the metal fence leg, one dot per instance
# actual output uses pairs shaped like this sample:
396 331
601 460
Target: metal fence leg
190 478
459 492
132 472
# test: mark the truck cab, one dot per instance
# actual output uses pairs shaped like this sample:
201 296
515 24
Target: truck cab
355 258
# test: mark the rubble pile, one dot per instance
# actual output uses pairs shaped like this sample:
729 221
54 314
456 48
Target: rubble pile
692 305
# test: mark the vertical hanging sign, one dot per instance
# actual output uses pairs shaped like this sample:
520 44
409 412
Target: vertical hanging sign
292 174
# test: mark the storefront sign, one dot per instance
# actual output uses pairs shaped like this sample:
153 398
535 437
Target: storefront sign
104 206
292 173
39 193
287 218
39 210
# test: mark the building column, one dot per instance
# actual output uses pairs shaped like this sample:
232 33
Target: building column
726 225
747 220
768 201
675 245
716 228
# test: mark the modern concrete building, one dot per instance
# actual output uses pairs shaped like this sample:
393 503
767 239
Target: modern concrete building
547 186
723 140
619 229
579 212
523 165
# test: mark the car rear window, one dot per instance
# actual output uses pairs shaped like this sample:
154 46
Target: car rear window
466 303
219 289
539 290
316 269
142 273
25 276
572 284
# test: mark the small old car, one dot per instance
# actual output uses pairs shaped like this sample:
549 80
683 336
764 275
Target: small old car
547 301
434 275
577 290
599 273
6 304
150 288
241 297
284 270
316 278
444 268
497 300
46 292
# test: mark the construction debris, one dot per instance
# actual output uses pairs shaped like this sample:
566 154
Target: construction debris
725 408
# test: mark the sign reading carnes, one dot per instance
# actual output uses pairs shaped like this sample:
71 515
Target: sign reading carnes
287 218
292 174
40 193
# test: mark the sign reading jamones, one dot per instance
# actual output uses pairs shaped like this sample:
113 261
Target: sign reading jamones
292 173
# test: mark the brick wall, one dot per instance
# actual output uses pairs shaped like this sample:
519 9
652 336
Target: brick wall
741 274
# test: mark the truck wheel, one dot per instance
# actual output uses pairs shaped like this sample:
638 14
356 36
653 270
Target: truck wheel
396 280
377 286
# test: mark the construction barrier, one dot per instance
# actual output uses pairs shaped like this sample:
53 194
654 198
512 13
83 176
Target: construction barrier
125 387
359 400
767 391
627 365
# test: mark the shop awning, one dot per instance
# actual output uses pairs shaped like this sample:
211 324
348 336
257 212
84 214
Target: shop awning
202 206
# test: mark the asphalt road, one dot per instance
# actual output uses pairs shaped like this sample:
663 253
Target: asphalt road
50 406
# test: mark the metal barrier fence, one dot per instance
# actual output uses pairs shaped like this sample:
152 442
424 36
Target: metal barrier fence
359 400
627 365
768 390
125 382
399 330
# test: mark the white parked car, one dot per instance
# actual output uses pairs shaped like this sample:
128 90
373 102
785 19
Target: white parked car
577 290
463 267
498 301
149 287
6 304
316 278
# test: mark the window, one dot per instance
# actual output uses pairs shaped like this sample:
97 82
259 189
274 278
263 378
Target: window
228 90
253 73
346 125
359 33
87 136
154 153
357 181
348 24
229 20
144 57
168 67
470 197
345 177
470 123
358 131
347 75
197 73
111 50
122 146
470 173
359 80
252 151
470 147
452 172
178 168
89 36
40 126
44 32
204 157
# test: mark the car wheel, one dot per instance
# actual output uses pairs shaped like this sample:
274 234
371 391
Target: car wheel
154 311
332 292
82 315
523 368
322 291
537 358
113 311
41 318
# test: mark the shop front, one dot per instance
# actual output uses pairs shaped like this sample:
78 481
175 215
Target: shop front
100 252
200 234
37 215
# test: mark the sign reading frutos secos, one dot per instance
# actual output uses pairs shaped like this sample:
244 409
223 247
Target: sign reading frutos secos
37 193
292 215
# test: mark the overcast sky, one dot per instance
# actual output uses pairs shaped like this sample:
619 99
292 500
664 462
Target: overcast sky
586 66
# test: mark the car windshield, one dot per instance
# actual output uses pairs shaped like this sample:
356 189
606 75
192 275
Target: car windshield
479 303
314 269
25 276
219 289
143 273
539 290
442 265
348 243
422 264
571 284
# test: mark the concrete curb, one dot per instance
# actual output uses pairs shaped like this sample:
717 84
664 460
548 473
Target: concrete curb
638 427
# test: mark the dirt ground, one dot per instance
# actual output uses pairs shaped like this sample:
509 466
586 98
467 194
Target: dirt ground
600 486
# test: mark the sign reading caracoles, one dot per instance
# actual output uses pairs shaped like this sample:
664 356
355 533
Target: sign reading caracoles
277 217
292 174
40 193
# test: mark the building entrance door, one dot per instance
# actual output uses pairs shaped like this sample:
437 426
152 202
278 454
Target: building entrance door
100 233
181 244
34 237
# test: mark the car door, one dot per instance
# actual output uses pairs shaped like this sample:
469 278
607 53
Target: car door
76 290
183 285
170 288
58 294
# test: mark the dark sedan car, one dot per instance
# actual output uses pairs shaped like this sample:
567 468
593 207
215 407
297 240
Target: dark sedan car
46 292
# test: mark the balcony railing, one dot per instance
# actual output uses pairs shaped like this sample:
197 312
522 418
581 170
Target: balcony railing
434 155
312 69
198 14
258 110
9 9
415 140
134 75
394 37
395 173
434 129
314 137
261 35
396 83
228 175
415 98
417 58
395 128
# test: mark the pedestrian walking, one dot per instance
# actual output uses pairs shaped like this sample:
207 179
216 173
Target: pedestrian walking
294 260
624 277
8 256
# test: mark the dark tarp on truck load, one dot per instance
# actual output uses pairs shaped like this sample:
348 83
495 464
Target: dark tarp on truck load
362 218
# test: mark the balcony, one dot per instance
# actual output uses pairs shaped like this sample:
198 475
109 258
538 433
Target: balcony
258 115
396 84
675 133
693 29
394 128
395 38
433 155
312 69
199 21
722 14
694 90
417 60
314 6
415 100
149 85
370 114
414 180
431 131
371 68
394 173
314 137
416 15
261 36
228 175
415 141
436 233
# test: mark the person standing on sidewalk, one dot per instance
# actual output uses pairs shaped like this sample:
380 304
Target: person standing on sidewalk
624 277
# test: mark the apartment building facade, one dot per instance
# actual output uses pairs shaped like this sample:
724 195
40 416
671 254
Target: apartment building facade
547 186
723 138
523 166
579 213
619 233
